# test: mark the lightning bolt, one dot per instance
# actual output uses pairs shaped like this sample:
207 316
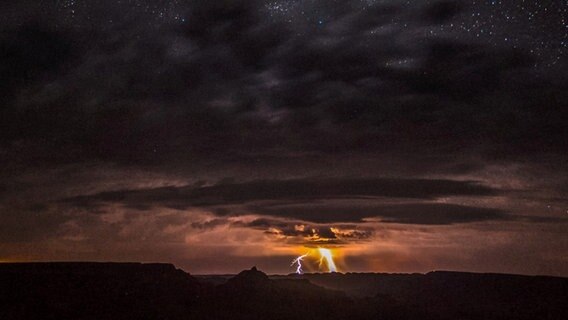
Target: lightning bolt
328 257
298 262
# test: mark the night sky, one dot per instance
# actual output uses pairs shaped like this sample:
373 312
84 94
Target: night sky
407 136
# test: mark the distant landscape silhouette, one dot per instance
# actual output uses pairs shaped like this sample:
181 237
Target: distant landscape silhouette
160 291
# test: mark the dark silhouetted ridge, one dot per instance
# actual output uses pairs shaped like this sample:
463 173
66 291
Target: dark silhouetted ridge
87 290
250 278
457 295
160 291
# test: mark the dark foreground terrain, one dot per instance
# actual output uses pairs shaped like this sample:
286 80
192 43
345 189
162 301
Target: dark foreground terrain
160 291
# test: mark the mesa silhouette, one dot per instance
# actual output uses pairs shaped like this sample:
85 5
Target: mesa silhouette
160 291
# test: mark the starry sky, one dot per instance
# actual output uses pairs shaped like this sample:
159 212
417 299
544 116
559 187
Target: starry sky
407 136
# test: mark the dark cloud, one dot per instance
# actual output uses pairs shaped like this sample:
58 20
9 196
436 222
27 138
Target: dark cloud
287 190
209 224
411 213
29 224
29 52
233 82
440 12
286 198
29 56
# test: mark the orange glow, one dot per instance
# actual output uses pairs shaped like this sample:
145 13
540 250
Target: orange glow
319 259
327 256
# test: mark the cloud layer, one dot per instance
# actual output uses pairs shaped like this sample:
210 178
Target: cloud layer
247 129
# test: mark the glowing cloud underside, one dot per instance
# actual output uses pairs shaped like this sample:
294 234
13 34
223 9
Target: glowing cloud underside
328 257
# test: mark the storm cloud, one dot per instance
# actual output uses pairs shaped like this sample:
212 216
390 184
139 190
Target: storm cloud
240 123
235 83
298 189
